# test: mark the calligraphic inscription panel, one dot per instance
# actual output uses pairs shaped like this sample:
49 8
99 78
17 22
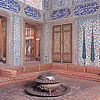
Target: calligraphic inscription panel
57 43
67 43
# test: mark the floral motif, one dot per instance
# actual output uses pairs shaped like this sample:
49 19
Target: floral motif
61 13
86 8
10 5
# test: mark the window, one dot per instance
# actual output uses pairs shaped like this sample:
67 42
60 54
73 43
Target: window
3 31
32 44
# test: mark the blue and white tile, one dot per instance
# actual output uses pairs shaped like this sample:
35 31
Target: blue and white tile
11 5
16 40
46 43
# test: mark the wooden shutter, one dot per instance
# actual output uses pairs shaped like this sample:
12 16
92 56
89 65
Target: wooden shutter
30 42
0 38
67 43
57 43
3 26
4 23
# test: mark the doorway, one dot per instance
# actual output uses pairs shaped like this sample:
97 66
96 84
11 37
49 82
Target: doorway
62 43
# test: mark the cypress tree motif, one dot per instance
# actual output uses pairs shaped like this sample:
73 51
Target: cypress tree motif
99 56
92 47
84 47
99 53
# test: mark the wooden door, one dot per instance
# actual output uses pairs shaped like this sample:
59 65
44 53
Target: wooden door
67 43
62 43
57 43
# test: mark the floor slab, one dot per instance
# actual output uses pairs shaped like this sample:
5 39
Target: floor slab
79 90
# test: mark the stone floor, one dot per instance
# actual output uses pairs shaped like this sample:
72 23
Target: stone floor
79 90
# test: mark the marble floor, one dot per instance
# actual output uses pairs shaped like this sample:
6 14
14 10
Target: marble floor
79 90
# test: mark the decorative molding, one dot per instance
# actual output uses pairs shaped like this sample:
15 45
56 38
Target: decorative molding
84 9
10 5
32 12
16 40
61 13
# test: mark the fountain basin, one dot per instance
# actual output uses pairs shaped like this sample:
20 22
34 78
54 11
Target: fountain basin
48 85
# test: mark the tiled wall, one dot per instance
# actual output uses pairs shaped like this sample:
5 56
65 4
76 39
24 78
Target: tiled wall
46 43
11 5
47 5
18 10
34 3
73 9
82 1
32 12
60 13
80 10
61 3
90 26
87 8
54 4
55 10
16 40
21 8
